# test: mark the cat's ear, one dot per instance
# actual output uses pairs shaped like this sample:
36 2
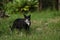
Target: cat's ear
29 16
25 16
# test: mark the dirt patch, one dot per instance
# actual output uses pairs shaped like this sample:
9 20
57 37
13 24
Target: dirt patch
55 20
44 23
51 20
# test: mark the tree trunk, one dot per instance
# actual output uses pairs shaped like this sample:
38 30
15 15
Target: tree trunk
59 4
56 5
40 5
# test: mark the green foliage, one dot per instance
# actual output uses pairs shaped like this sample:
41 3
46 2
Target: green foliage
21 6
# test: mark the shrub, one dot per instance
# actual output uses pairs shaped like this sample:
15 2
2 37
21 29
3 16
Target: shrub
21 6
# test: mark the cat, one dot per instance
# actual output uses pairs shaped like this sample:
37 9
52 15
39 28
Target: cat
22 23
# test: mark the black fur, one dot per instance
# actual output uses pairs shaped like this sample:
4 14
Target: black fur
21 24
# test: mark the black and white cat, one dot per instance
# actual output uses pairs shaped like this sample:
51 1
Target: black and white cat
22 23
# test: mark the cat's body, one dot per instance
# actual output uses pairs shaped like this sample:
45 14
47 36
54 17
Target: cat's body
22 23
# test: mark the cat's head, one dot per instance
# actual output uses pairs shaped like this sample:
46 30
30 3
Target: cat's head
27 19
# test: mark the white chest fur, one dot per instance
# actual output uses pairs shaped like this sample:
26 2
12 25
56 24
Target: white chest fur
27 21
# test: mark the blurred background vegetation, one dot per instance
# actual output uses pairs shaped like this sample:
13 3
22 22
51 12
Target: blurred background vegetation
45 19
25 6
14 6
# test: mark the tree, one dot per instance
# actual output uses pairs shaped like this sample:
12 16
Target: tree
44 4
56 5
2 11
1 4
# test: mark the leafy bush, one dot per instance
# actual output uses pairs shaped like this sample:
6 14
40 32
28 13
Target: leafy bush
21 6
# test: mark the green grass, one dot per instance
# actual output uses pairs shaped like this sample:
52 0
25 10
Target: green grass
45 26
